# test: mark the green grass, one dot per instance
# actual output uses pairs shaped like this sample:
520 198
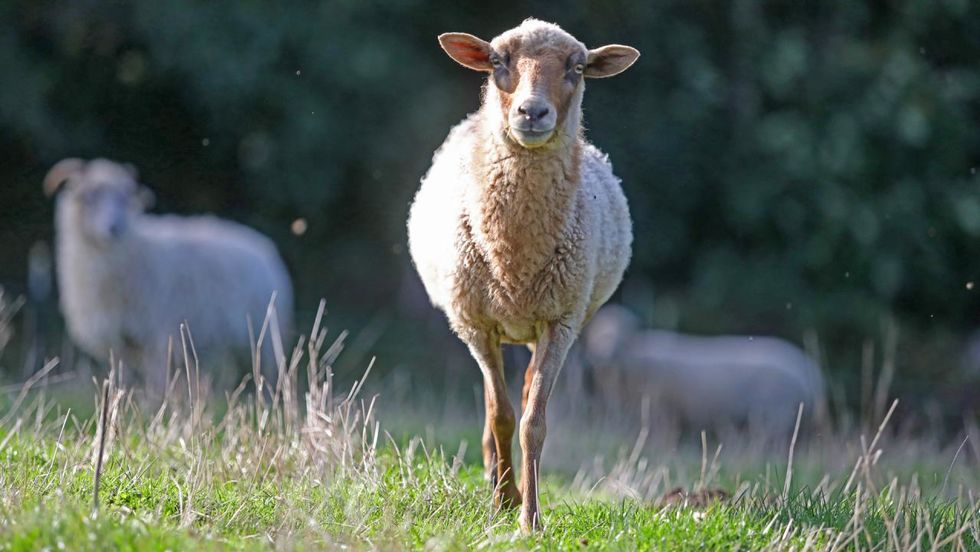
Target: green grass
190 480
397 501
315 469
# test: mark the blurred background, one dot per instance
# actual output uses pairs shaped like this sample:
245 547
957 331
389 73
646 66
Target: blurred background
793 168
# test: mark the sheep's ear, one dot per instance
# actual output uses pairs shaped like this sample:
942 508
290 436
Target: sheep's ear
60 173
610 60
467 50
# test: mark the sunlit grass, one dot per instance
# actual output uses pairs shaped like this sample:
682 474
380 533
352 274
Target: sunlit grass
311 466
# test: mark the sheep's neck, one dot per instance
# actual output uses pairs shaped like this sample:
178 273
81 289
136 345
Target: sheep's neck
525 204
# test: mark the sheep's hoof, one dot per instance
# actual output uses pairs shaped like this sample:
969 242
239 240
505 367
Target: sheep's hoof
506 497
530 522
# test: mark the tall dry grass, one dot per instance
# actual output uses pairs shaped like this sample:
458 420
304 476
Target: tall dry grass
320 454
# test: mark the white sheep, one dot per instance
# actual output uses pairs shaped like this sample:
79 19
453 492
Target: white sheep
520 231
128 279
701 382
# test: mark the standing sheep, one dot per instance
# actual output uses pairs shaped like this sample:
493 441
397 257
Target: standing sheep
700 381
520 231
129 279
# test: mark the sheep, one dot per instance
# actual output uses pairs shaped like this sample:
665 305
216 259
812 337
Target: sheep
7 311
519 230
128 279
702 382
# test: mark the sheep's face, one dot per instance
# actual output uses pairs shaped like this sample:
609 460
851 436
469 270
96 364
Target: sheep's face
536 73
101 196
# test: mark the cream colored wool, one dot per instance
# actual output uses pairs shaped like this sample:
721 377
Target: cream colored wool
129 294
505 237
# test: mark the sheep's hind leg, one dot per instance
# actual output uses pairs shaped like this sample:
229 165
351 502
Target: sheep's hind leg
500 420
549 356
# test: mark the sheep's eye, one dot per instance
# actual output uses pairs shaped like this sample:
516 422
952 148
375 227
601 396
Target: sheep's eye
495 61
579 68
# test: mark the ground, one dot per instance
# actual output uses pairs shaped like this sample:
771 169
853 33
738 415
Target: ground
319 467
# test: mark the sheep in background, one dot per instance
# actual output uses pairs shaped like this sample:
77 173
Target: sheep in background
128 279
40 283
520 231
699 381
7 311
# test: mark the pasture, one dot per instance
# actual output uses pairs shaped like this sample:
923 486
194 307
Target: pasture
315 465
725 300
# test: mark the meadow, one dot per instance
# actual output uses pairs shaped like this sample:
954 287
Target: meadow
93 466
802 170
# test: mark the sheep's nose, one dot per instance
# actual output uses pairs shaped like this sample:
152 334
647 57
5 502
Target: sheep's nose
115 229
532 110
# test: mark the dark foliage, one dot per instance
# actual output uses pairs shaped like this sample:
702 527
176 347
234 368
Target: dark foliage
790 165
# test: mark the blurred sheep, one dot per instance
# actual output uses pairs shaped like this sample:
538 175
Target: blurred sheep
40 283
701 382
8 309
129 279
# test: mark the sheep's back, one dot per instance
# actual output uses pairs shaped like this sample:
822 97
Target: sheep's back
608 222
214 273
709 380
436 212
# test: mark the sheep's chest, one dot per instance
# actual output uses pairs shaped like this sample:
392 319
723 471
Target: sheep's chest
517 318
91 302
512 296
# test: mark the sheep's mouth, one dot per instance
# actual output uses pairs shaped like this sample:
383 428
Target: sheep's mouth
531 138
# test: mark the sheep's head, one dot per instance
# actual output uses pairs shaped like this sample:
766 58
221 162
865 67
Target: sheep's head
605 336
100 194
536 73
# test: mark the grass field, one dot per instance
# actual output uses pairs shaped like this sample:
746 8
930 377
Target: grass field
324 468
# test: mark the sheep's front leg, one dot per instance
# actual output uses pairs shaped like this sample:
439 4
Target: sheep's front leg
549 356
528 378
154 365
500 419
489 445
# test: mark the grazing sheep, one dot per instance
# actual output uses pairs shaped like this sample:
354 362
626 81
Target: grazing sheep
520 230
701 382
129 279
